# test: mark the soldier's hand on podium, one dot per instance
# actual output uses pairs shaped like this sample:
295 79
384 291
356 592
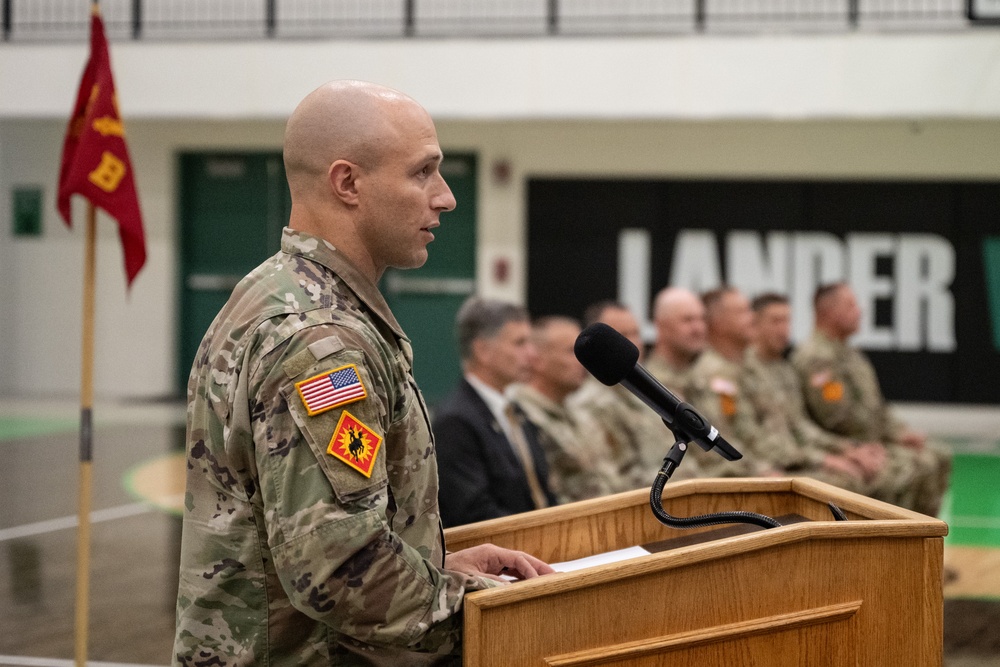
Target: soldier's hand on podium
491 561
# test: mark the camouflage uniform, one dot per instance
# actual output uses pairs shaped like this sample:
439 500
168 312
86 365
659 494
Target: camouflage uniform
638 438
843 396
713 388
784 381
674 379
899 467
781 427
289 555
579 459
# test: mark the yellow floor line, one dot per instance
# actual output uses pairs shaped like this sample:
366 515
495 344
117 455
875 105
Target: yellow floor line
976 570
160 482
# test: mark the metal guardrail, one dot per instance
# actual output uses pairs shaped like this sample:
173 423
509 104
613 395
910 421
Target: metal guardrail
68 20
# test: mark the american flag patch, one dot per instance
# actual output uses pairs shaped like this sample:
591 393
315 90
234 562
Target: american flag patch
331 389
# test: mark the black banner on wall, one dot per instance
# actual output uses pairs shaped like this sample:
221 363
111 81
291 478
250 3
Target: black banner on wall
922 257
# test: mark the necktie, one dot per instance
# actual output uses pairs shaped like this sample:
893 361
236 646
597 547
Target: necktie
520 444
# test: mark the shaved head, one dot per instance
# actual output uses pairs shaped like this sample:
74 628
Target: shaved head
679 316
363 168
340 120
672 299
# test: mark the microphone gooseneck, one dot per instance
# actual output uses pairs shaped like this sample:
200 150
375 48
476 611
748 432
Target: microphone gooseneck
670 463
613 359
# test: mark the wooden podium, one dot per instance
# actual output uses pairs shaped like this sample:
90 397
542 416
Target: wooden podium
862 592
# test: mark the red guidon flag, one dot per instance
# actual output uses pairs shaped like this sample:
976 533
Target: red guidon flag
95 160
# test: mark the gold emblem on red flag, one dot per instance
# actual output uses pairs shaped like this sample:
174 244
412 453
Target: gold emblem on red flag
109 172
355 444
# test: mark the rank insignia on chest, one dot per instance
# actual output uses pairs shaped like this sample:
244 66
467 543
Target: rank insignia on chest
331 389
355 444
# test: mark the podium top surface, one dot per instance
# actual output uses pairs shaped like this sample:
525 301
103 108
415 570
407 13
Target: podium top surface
577 530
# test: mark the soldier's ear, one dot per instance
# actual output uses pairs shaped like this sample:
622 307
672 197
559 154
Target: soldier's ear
343 179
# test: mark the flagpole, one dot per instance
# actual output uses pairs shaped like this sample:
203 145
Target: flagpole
86 441
95 164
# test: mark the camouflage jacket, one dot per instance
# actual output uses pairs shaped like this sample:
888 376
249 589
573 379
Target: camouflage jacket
579 459
768 425
638 438
311 531
785 381
674 379
842 392
713 388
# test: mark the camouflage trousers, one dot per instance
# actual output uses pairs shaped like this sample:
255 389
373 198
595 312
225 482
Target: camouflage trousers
916 479
837 479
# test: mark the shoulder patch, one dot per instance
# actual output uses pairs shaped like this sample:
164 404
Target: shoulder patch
331 389
833 392
355 444
727 403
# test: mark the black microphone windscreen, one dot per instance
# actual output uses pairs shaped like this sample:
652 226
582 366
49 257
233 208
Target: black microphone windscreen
607 354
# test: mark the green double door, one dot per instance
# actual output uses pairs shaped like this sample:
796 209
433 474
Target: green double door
233 207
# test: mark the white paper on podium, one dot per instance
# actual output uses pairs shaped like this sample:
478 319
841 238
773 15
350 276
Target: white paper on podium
600 559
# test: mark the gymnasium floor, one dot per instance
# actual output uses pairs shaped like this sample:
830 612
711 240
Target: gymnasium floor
136 532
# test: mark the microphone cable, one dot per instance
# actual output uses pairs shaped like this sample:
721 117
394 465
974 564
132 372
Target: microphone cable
670 463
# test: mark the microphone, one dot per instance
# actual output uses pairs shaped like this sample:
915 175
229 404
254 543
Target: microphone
613 359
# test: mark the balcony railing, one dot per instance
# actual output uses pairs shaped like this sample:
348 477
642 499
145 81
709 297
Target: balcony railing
55 20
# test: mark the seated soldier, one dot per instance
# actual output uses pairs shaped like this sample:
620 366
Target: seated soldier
714 390
578 455
638 438
842 395
862 464
679 316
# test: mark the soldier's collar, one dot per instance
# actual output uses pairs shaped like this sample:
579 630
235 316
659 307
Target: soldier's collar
710 353
544 402
323 252
830 340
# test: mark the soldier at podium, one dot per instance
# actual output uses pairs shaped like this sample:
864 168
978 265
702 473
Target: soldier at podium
311 532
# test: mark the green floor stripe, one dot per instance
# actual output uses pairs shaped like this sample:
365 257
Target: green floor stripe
32 427
972 508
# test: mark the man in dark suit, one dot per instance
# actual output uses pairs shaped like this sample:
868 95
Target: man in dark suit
490 462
